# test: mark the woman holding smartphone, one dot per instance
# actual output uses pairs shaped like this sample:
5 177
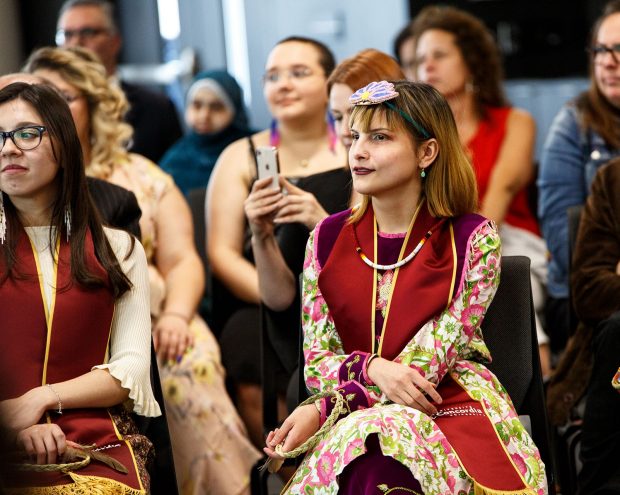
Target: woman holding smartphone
295 90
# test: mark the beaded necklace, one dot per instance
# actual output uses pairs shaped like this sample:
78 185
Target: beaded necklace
400 262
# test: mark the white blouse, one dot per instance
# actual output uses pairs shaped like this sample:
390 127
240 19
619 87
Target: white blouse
129 359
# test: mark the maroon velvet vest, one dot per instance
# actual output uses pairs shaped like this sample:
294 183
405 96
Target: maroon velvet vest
39 349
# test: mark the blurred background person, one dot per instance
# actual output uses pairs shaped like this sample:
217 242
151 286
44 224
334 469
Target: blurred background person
456 54
315 180
211 450
91 24
584 136
215 115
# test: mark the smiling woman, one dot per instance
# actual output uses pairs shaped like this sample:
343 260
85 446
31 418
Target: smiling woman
55 260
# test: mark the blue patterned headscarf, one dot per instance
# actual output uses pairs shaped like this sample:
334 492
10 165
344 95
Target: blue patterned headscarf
190 161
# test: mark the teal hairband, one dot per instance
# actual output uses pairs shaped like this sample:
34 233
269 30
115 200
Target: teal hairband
408 118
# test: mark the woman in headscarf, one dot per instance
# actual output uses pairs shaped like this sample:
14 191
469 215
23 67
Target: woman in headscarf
216 116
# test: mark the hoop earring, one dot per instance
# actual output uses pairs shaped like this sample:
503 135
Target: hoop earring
2 219
68 222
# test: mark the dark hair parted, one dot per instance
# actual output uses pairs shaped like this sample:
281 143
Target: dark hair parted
477 48
73 193
403 35
363 68
597 113
326 57
450 184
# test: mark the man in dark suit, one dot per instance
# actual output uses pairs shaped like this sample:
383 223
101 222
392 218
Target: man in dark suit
91 24
117 206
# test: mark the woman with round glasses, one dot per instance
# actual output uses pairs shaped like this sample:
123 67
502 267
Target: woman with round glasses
394 293
584 136
209 443
68 374
313 181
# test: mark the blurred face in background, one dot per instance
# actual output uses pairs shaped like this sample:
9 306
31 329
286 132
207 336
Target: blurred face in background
439 63
206 113
606 63
77 103
407 55
294 81
88 26
341 111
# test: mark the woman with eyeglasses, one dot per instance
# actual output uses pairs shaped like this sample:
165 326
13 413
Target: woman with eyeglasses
313 182
584 136
211 450
74 312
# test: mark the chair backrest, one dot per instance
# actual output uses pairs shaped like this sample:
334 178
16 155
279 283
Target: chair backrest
196 199
509 331
574 218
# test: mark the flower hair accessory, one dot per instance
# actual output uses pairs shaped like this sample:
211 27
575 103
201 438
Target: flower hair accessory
381 92
373 93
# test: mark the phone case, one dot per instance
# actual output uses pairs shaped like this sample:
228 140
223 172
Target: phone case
267 161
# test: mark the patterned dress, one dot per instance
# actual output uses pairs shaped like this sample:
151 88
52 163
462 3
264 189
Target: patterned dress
212 453
447 348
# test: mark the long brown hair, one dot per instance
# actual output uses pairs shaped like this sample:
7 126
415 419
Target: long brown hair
450 184
73 194
597 113
477 48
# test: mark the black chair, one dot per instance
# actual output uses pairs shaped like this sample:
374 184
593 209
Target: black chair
163 475
509 331
196 199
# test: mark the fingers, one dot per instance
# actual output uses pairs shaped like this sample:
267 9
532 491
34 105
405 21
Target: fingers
427 387
43 442
262 185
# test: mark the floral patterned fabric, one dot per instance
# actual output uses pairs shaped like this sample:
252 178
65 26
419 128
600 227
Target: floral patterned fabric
450 344
212 453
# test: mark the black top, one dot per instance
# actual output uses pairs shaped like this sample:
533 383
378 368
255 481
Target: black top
154 119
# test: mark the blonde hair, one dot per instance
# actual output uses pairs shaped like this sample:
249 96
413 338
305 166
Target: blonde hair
450 184
107 105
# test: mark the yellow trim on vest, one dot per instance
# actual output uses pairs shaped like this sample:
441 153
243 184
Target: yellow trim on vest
133 456
454 263
49 311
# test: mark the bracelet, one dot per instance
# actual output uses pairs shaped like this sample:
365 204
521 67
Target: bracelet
366 365
59 410
177 314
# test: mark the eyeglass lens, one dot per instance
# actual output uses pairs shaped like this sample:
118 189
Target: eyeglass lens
25 138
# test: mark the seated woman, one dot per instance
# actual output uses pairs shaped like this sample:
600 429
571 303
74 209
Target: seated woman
216 116
394 294
65 369
210 446
456 54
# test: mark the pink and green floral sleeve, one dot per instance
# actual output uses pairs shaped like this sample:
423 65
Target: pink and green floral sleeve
455 333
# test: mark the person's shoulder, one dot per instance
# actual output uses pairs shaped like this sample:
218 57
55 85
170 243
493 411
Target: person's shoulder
99 186
333 224
124 245
236 157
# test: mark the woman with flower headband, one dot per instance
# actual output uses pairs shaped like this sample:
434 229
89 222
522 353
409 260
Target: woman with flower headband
394 294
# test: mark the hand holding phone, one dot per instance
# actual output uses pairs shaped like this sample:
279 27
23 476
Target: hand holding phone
267 163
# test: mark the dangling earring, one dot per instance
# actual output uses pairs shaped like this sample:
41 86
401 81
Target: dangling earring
331 132
423 173
469 86
68 222
274 134
2 219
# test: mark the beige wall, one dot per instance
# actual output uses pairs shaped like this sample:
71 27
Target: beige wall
11 59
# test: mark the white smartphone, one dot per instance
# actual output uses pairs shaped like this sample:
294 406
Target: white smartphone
267 162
